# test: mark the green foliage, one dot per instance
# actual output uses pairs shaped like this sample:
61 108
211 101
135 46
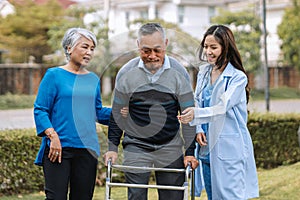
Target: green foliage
13 101
246 29
37 30
17 153
275 139
288 31
18 150
74 17
276 93
24 33
21 101
281 183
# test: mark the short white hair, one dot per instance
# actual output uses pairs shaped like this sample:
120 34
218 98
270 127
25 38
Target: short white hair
71 37
150 28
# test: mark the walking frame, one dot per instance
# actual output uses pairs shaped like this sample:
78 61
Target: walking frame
189 173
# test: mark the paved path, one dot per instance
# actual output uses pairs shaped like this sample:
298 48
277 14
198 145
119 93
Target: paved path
23 118
16 119
276 106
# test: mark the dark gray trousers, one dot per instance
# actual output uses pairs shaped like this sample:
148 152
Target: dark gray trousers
160 157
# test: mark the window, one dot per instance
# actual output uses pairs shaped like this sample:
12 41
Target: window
144 14
180 14
127 16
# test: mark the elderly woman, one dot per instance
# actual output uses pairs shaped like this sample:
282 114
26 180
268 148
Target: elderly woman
66 108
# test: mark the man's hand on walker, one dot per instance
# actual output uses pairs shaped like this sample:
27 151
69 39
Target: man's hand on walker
191 159
110 155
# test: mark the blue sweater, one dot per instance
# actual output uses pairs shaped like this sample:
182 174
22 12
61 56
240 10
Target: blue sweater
71 104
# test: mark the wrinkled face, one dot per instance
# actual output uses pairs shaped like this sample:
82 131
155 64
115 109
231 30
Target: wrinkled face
212 49
82 52
152 50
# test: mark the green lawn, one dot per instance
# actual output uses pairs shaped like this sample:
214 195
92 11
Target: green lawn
281 183
276 94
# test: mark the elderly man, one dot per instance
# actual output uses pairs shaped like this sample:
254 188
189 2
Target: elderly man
155 88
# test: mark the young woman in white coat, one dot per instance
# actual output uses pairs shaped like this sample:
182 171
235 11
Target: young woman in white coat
221 94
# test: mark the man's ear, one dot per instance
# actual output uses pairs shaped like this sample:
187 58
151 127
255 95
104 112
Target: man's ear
166 42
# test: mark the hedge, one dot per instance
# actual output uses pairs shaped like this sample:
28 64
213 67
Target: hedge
18 174
274 137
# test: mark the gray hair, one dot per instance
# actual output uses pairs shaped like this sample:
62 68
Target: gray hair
71 37
149 29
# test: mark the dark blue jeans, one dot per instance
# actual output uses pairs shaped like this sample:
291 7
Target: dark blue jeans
77 171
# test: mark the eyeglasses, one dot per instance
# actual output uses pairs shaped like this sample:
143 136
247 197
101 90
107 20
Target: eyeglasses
146 50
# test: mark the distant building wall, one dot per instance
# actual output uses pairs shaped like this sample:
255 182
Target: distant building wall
284 76
25 78
21 78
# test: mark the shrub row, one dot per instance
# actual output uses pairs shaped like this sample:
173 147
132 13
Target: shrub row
18 174
274 137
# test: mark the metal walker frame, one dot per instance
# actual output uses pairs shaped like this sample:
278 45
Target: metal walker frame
189 173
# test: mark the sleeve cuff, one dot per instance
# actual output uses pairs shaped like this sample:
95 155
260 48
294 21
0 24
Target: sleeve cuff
112 147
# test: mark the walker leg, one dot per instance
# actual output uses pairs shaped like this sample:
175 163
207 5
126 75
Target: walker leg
193 185
108 180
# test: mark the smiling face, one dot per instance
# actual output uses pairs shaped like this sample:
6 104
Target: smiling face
152 50
212 49
82 52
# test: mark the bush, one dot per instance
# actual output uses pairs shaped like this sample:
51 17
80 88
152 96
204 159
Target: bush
16 101
20 101
274 137
18 150
17 153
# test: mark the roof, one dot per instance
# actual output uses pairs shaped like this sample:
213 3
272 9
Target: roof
63 3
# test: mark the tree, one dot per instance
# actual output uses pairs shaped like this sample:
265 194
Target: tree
289 31
24 33
74 17
246 29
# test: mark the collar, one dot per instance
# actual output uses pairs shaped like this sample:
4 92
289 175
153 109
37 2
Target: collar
228 71
165 66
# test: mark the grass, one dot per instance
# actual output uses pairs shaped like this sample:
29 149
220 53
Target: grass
16 101
22 101
276 94
281 183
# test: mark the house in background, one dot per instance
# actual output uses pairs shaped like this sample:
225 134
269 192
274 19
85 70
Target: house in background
63 3
192 16
6 8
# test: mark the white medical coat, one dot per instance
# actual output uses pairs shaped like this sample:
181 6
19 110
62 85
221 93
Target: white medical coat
233 169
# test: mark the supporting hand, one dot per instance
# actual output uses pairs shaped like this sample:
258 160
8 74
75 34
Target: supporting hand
110 155
191 159
186 116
